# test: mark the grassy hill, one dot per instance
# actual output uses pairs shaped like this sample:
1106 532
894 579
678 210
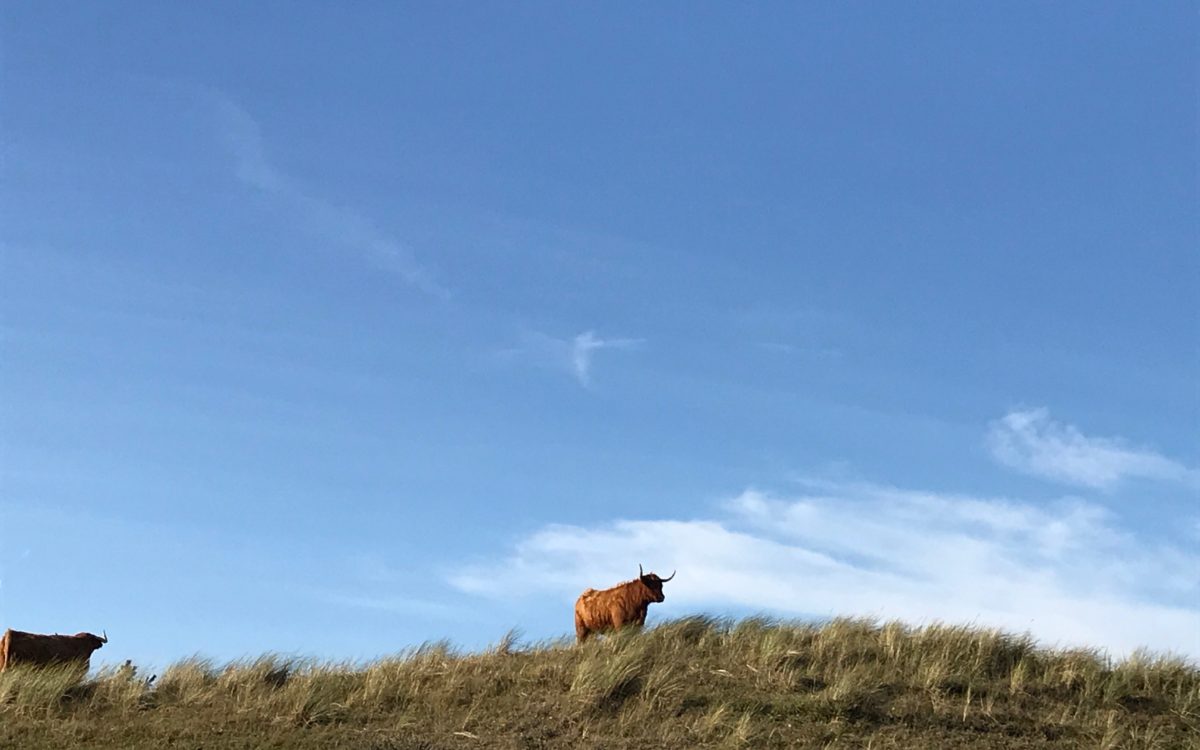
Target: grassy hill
694 682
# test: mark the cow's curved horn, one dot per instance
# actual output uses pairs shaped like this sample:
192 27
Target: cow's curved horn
673 572
640 573
104 636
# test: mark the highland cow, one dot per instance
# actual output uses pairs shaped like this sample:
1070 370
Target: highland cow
17 647
621 605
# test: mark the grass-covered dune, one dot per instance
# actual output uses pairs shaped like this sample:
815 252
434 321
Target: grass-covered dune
695 682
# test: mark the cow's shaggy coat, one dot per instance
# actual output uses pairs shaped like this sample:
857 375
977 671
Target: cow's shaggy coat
621 605
17 647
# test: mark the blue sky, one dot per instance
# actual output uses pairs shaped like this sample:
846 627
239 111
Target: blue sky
334 330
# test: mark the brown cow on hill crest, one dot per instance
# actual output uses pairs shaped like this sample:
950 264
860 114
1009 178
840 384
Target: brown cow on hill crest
17 647
621 605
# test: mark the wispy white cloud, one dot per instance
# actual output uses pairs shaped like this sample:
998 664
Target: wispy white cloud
337 224
1064 573
585 344
1031 442
574 355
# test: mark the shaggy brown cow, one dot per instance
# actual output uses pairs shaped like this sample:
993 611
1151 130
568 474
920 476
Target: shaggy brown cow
17 647
624 604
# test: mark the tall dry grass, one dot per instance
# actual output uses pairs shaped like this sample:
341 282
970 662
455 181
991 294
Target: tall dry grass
694 682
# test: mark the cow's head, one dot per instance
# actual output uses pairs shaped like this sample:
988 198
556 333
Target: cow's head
654 583
93 640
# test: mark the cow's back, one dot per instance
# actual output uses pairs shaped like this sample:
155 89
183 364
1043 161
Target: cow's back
596 605
18 646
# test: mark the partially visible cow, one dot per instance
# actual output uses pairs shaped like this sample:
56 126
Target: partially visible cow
17 647
623 604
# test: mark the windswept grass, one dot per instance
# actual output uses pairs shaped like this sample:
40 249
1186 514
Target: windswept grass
694 682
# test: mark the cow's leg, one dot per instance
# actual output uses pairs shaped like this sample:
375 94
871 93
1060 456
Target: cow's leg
581 630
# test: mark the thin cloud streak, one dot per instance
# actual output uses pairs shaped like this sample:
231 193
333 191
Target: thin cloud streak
1030 442
583 347
1064 573
575 355
337 224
